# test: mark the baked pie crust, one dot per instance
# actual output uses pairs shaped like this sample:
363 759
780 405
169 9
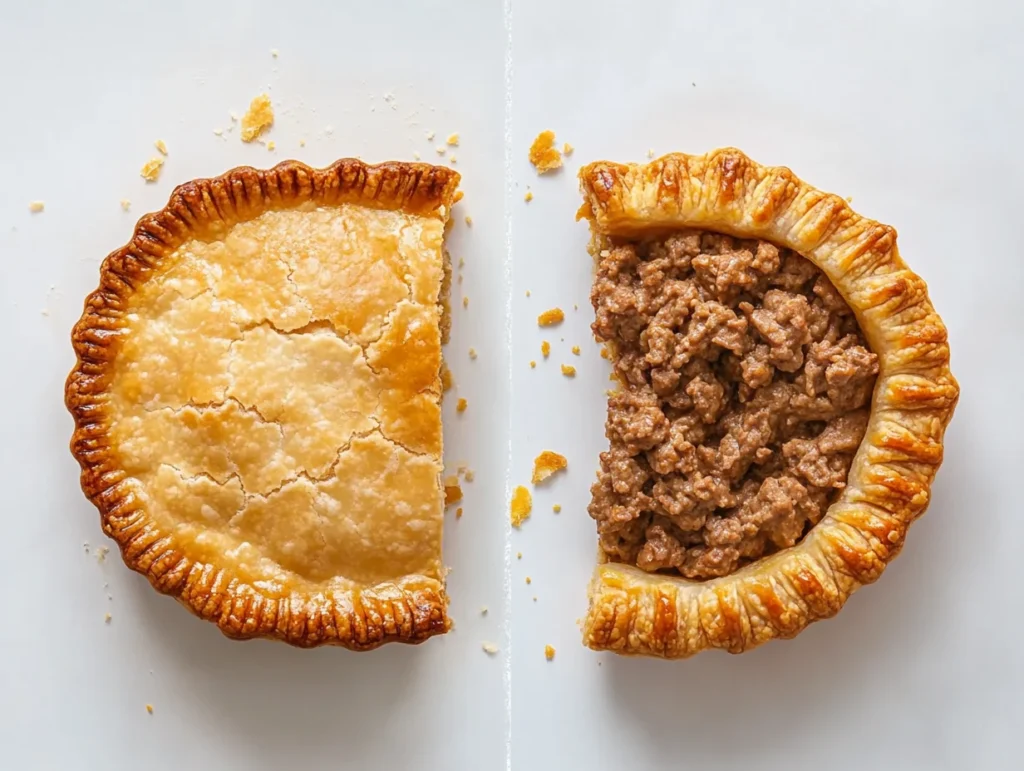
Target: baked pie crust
888 487
257 401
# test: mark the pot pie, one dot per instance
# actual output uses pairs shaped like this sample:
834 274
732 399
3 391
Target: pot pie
257 401
784 390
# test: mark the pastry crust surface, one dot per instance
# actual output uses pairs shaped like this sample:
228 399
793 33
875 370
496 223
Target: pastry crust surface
888 487
257 401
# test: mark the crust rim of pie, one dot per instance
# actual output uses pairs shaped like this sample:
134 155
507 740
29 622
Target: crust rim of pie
633 612
360 616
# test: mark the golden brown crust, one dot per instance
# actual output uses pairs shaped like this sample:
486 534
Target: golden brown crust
633 612
405 610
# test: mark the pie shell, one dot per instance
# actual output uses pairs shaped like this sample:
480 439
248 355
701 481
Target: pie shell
639 613
410 609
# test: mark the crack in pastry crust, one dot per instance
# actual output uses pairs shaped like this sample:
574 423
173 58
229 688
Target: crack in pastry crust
263 344
888 487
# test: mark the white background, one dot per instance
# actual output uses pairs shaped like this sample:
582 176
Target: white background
913 108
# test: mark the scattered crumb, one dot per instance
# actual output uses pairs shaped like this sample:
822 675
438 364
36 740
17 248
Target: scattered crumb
533 365
546 464
535 598
553 316
126 204
576 350
453 139
452 491
302 143
545 348
549 652
149 708
472 353
483 611
604 353
234 116
543 153
430 136
458 513
446 377
462 262
650 153
107 618
529 580
568 370
218 132
528 197
151 170
441 149
271 145
490 648
258 118
461 405
522 504
452 158
567 149
469 221
527 292
161 145
849 199
469 475
465 302
36 206
273 52
519 555
457 197
415 155
101 553
557 508
575 307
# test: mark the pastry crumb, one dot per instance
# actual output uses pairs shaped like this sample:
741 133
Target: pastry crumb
430 136
161 145
546 464
849 199
575 307
650 153
469 221
576 350
529 580
149 708
469 475
446 377
545 348
302 143
151 169
567 149
557 508
533 365
527 292
472 353
415 155
490 648
465 302
543 153
101 553
218 132
258 118
551 317
461 405
458 513
125 204
452 158
452 491
453 139
441 149
549 652
271 145
522 504
483 610
528 197
519 555
107 618
36 206
568 370
462 262
273 52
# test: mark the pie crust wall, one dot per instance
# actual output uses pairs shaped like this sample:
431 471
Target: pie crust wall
257 401
888 487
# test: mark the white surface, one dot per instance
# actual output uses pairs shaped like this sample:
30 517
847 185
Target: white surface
913 108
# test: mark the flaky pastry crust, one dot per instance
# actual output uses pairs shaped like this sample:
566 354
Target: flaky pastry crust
634 612
359 613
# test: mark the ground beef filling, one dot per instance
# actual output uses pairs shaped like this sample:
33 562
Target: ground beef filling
746 390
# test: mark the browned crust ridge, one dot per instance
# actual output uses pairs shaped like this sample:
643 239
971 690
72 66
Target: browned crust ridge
408 610
889 485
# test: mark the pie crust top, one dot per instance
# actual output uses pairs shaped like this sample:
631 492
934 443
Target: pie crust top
257 401
737 607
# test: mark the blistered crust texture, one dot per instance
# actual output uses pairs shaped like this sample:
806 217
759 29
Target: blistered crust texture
257 371
633 612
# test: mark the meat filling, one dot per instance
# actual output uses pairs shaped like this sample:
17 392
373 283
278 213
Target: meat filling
746 387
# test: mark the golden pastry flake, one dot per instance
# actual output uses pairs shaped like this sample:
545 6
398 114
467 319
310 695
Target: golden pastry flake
161 145
490 648
149 708
533 365
151 169
557 508
472 353
452 492
522 505
568 370
36 206
549 652
546 464
453 139
545 348
544 154
125 204
528 197
551 317
576 350
258 118
461 405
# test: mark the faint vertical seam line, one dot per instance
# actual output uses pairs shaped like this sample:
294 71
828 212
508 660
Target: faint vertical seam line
507 587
